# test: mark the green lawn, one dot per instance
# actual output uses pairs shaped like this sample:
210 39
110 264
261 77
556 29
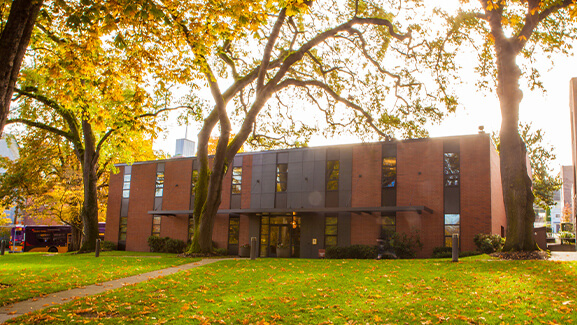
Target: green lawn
475 290
27 275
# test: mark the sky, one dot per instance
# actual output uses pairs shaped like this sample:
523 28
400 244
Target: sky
547 111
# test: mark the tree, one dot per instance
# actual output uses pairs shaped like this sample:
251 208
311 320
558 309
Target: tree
512 30
275 57
80 87
15 32
540 156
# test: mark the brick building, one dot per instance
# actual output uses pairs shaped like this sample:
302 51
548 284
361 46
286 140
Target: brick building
312 198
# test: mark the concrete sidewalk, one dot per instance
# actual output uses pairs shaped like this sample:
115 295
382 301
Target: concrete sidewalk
57 298
563 256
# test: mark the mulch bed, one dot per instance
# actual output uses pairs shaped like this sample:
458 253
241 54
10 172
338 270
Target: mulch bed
534 255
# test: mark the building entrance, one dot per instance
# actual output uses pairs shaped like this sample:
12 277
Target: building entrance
280 236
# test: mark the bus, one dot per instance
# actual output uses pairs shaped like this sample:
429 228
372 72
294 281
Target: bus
52 239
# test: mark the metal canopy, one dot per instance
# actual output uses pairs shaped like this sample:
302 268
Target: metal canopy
416 208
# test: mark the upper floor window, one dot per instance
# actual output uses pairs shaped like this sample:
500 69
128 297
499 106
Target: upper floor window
159 184
451 169
236 180
389 172
332 177
281 177
126 187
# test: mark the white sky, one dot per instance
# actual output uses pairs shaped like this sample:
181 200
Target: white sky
549 112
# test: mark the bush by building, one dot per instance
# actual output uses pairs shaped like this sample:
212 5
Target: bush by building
487 243
166 245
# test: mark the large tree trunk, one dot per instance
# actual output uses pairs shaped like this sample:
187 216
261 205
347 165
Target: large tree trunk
516 183
89 213
13 43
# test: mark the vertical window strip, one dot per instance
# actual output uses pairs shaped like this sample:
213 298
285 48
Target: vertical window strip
388 225
264 232
159 184
126 186
194 181
233 230
156 225
389 172
331 230
332 175
452 226
236 180
281 177
452 169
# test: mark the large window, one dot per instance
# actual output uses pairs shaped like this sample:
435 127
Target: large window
331 230
452 226
233 230
281 177
388 225
236 180
159 184
126 187
389 172
451 169
332 177
156 226
123 228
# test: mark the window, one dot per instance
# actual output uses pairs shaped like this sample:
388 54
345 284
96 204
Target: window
332 176
388 225
159 184
452 226
236 180
156 226
281 177
190 227
233 230
194 181
264 232
331 231
389 172
451 169
123 223
126 187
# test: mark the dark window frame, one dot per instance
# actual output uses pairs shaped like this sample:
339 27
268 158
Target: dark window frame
451 169
159 184
156 221
281 177
389 172
329 235
233 232
448 242
236 181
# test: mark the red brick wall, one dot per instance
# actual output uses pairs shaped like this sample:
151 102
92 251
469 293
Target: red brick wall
420 182
113 209
366 192
475 189
498 217
139 226
176 196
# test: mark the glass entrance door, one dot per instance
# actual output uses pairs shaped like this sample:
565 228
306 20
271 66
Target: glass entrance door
280 236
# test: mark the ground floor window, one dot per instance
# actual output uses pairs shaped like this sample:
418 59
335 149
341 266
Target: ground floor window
388 225
452 226
331 230
122 232
233 230
156 226
280 235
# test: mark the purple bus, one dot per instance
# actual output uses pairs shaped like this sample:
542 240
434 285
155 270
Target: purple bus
52 239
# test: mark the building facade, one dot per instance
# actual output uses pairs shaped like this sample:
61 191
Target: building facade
312 198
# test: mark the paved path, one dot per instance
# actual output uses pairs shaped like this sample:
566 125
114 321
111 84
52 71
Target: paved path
563 256
57 298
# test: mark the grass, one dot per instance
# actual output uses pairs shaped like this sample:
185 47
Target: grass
28 275
281 291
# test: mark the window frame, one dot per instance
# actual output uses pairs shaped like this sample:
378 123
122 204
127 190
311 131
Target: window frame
332 175
330 235
159 184
236 181
389 172
280 184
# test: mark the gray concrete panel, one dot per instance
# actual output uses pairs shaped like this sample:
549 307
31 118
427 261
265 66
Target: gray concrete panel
296 156
344 229
319 176
295 177
308 176
267 200
257 159
237 161
268 178
256 183
282 157
269 158
280 200
346 169
308 155
255 201
294 200
345 198
320 154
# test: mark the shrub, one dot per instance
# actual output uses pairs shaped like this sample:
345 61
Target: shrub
220 251
442 252
487 243
106 245
352 252
166 245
